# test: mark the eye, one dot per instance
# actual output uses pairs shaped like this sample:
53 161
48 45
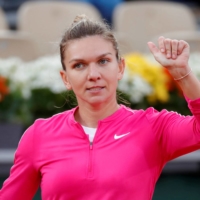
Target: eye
103 61
78 65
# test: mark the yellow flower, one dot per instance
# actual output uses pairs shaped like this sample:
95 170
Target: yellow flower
152 72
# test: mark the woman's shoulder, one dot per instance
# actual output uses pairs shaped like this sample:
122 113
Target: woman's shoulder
56 117
43 129
53 122
149 110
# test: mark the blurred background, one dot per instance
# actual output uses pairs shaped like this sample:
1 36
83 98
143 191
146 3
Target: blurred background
30 86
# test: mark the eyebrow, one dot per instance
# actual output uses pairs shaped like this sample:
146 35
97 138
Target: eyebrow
79 59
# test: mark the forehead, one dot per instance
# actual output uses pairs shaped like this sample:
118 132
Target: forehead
91 45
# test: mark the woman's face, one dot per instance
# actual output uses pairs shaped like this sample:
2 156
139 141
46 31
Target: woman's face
92 70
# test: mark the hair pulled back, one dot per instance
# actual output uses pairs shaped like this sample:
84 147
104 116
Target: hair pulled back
82 27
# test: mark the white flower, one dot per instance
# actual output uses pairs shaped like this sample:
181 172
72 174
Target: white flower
44 72
26 76
194 62
135 86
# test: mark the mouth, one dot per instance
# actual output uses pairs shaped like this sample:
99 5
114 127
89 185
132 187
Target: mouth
95 89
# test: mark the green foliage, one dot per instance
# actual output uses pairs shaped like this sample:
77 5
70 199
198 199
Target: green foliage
175 103
44 103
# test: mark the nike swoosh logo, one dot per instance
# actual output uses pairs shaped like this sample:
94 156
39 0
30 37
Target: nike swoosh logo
116 137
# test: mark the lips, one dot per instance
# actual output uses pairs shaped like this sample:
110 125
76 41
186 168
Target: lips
96 88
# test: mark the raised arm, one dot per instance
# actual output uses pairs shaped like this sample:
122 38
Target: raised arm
174 55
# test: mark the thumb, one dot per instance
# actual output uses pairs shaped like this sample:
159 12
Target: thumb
153 48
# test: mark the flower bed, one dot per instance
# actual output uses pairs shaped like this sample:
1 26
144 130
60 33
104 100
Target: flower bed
29 90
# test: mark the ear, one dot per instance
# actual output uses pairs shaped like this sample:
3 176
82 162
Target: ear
64 77
121 68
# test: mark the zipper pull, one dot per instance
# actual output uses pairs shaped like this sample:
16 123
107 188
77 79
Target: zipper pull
91 145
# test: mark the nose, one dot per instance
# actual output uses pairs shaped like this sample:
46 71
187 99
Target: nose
93 73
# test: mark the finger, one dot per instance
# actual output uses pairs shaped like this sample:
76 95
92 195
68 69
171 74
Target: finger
153 48
168 50
181 46
161 44
174 47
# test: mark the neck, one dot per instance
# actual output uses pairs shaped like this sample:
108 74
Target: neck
89 115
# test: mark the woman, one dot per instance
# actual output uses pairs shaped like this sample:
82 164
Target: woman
100 149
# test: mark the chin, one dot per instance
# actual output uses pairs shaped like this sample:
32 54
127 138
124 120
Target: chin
97 101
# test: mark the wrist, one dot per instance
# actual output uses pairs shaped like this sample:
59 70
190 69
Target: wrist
180 73
184 76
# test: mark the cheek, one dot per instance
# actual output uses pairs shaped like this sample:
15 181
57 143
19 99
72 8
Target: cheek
76 81
116 75
112 78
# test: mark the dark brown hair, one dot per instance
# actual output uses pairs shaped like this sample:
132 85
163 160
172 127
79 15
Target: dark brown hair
83 27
